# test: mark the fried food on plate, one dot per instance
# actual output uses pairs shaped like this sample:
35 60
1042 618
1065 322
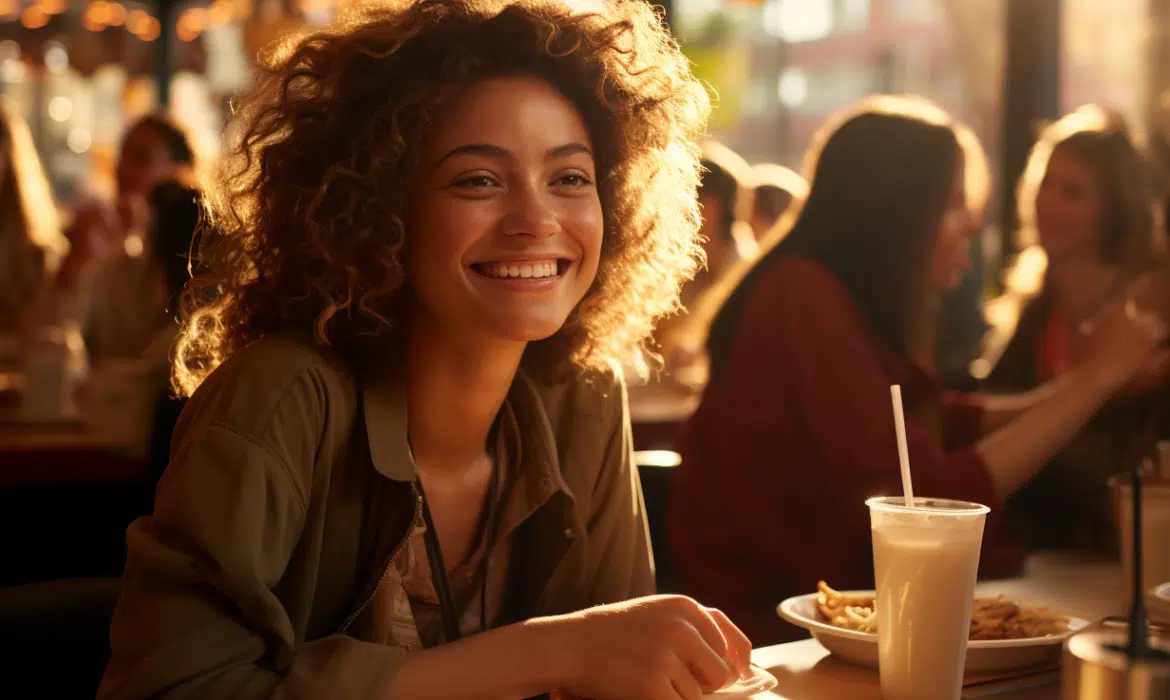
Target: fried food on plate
851 612
991 618
997 618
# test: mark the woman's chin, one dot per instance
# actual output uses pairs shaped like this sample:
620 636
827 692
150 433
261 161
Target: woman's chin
527 332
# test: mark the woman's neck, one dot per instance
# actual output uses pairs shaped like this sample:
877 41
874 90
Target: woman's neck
454 391
1079 285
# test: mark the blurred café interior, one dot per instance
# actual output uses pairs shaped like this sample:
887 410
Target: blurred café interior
114 111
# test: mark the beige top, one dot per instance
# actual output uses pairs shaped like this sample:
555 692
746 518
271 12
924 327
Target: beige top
406 608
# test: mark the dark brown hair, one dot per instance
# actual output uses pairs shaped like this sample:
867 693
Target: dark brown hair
880 177
309 206
174 138
1100 140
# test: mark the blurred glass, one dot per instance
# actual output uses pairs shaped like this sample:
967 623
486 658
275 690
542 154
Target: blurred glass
780 67
1106 58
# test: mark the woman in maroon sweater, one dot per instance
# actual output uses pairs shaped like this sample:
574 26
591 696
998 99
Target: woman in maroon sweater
795 428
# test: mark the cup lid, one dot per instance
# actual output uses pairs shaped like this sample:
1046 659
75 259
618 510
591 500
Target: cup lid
926 505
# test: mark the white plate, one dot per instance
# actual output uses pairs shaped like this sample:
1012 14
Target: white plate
983 655
760 682
1159 602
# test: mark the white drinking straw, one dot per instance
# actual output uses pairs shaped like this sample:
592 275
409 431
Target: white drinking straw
903 450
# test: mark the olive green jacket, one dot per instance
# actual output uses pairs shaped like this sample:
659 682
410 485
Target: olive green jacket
288 493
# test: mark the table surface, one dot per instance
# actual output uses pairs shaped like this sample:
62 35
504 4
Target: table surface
1071 583
64 452
806 671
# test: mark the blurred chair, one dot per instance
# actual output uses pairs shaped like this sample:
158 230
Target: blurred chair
55 637
654 469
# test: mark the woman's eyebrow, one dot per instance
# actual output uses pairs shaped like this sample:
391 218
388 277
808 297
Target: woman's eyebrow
493 151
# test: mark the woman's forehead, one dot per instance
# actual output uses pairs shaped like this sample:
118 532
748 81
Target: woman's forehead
515 113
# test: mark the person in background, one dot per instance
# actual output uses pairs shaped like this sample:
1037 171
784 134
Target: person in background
727 241
405 467
31 242
959 315
1087 199
178 232
723 194
110 269
126 394
795 429
775 190
152 149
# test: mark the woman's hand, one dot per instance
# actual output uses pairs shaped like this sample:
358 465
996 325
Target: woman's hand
1152 375
654 648
1126 342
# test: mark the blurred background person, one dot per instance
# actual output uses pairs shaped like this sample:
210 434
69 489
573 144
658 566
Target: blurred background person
959 320
722 197
727 240
179 233
795 428
117 309
31 242
774 189
132 394
1089 203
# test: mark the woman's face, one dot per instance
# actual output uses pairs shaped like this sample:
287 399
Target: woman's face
951 257
504 236
1068 207
143 162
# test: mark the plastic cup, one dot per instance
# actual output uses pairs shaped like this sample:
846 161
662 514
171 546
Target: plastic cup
925 561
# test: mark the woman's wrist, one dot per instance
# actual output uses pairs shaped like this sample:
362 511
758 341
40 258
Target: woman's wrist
541 645
515 661
1103 379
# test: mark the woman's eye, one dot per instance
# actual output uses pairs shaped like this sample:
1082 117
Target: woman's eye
476 182
573 180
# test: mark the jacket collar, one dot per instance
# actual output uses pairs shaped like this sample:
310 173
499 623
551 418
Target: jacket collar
383 396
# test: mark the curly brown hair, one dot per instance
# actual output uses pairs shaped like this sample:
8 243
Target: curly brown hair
311 198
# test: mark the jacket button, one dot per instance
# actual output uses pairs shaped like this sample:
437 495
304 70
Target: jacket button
568 533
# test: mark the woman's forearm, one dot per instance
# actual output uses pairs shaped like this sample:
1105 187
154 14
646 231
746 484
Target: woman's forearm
1020 448
508 663
1001 409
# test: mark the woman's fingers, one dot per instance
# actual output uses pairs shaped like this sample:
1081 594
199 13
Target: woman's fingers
685 686
708 668
739 647
707 627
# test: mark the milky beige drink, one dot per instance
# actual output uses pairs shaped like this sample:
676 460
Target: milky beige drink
924 560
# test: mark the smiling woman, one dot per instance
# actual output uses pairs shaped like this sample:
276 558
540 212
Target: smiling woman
405 469
315 238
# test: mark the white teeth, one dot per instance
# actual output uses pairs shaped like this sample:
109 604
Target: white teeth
519 270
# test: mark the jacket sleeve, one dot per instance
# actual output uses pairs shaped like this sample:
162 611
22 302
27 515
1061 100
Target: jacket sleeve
620 560
200 615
